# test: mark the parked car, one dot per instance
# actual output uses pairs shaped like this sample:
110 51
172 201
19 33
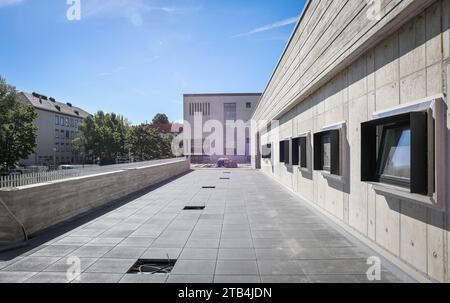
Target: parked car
66 167
227 163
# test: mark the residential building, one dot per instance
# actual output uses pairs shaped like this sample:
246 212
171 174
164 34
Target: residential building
201 109
57 125
358 104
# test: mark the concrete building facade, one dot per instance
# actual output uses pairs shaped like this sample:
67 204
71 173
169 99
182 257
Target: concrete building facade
57 125
360 96
198 136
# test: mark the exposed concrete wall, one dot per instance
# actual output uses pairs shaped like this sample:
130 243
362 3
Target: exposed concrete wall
41 206
409 64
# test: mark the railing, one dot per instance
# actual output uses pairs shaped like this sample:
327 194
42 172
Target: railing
42 177
35 178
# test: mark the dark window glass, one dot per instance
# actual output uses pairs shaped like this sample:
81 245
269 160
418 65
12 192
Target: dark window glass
248 105
326 154
230 111
394 161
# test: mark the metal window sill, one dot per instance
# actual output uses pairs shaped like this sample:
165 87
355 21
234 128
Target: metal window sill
405 195
331 177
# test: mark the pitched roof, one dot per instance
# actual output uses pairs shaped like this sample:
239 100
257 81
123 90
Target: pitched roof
51 105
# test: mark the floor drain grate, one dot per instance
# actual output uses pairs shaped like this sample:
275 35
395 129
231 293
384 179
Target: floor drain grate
227 172
194 207
152 267
209 187
224 178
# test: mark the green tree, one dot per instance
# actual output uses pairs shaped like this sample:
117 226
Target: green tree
17 131
104 136
160 119
149 144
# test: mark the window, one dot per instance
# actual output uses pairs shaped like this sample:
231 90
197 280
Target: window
56 133
67 134
61 121
394 160
396 150
72 134
57 147
72 123
203 108
247 140
266 152
67 121
62 134
327 151
284 152
299 152
57 120
248 105
230 111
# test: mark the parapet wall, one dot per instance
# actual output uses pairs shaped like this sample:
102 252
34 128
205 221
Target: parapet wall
41 206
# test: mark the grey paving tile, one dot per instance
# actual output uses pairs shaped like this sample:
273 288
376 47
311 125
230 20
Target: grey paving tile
275 267
137 242
50 277
236 243
15 277
64 264
161 253
32 264
237 254
285 279
190 279
91 251
105 241
237 279
55 251
95 278
343 266
199 254
6 263
144 278
247 268
120 252
194 267
73 241
203 243
117 266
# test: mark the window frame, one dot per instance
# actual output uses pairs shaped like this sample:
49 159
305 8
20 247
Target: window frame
383 178
335 134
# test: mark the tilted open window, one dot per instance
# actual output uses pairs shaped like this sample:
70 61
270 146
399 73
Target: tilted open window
300 151
327 145
402 151
284 152
266 151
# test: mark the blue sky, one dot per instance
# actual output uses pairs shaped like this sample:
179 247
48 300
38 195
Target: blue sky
138 57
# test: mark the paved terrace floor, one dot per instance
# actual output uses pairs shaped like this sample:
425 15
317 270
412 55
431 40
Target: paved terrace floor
252 230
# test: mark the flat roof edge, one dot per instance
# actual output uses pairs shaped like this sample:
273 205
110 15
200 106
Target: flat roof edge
222 94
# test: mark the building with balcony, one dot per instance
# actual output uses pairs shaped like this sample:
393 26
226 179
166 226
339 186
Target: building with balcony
57 125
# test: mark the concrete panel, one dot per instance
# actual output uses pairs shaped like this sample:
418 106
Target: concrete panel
436 246
435 83
413 87
387 96
357 78
387 62
358 190
388 223
413 237
434 34
412 47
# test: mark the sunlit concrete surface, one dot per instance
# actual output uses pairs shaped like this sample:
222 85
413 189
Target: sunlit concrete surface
252 230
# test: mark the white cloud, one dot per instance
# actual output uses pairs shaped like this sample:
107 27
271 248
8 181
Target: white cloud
9 2
269 27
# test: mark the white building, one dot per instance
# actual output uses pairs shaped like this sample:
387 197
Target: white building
220 108
57 125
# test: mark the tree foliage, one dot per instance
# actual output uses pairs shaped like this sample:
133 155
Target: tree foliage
160 119
148 143
109 136
104 136
17 131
